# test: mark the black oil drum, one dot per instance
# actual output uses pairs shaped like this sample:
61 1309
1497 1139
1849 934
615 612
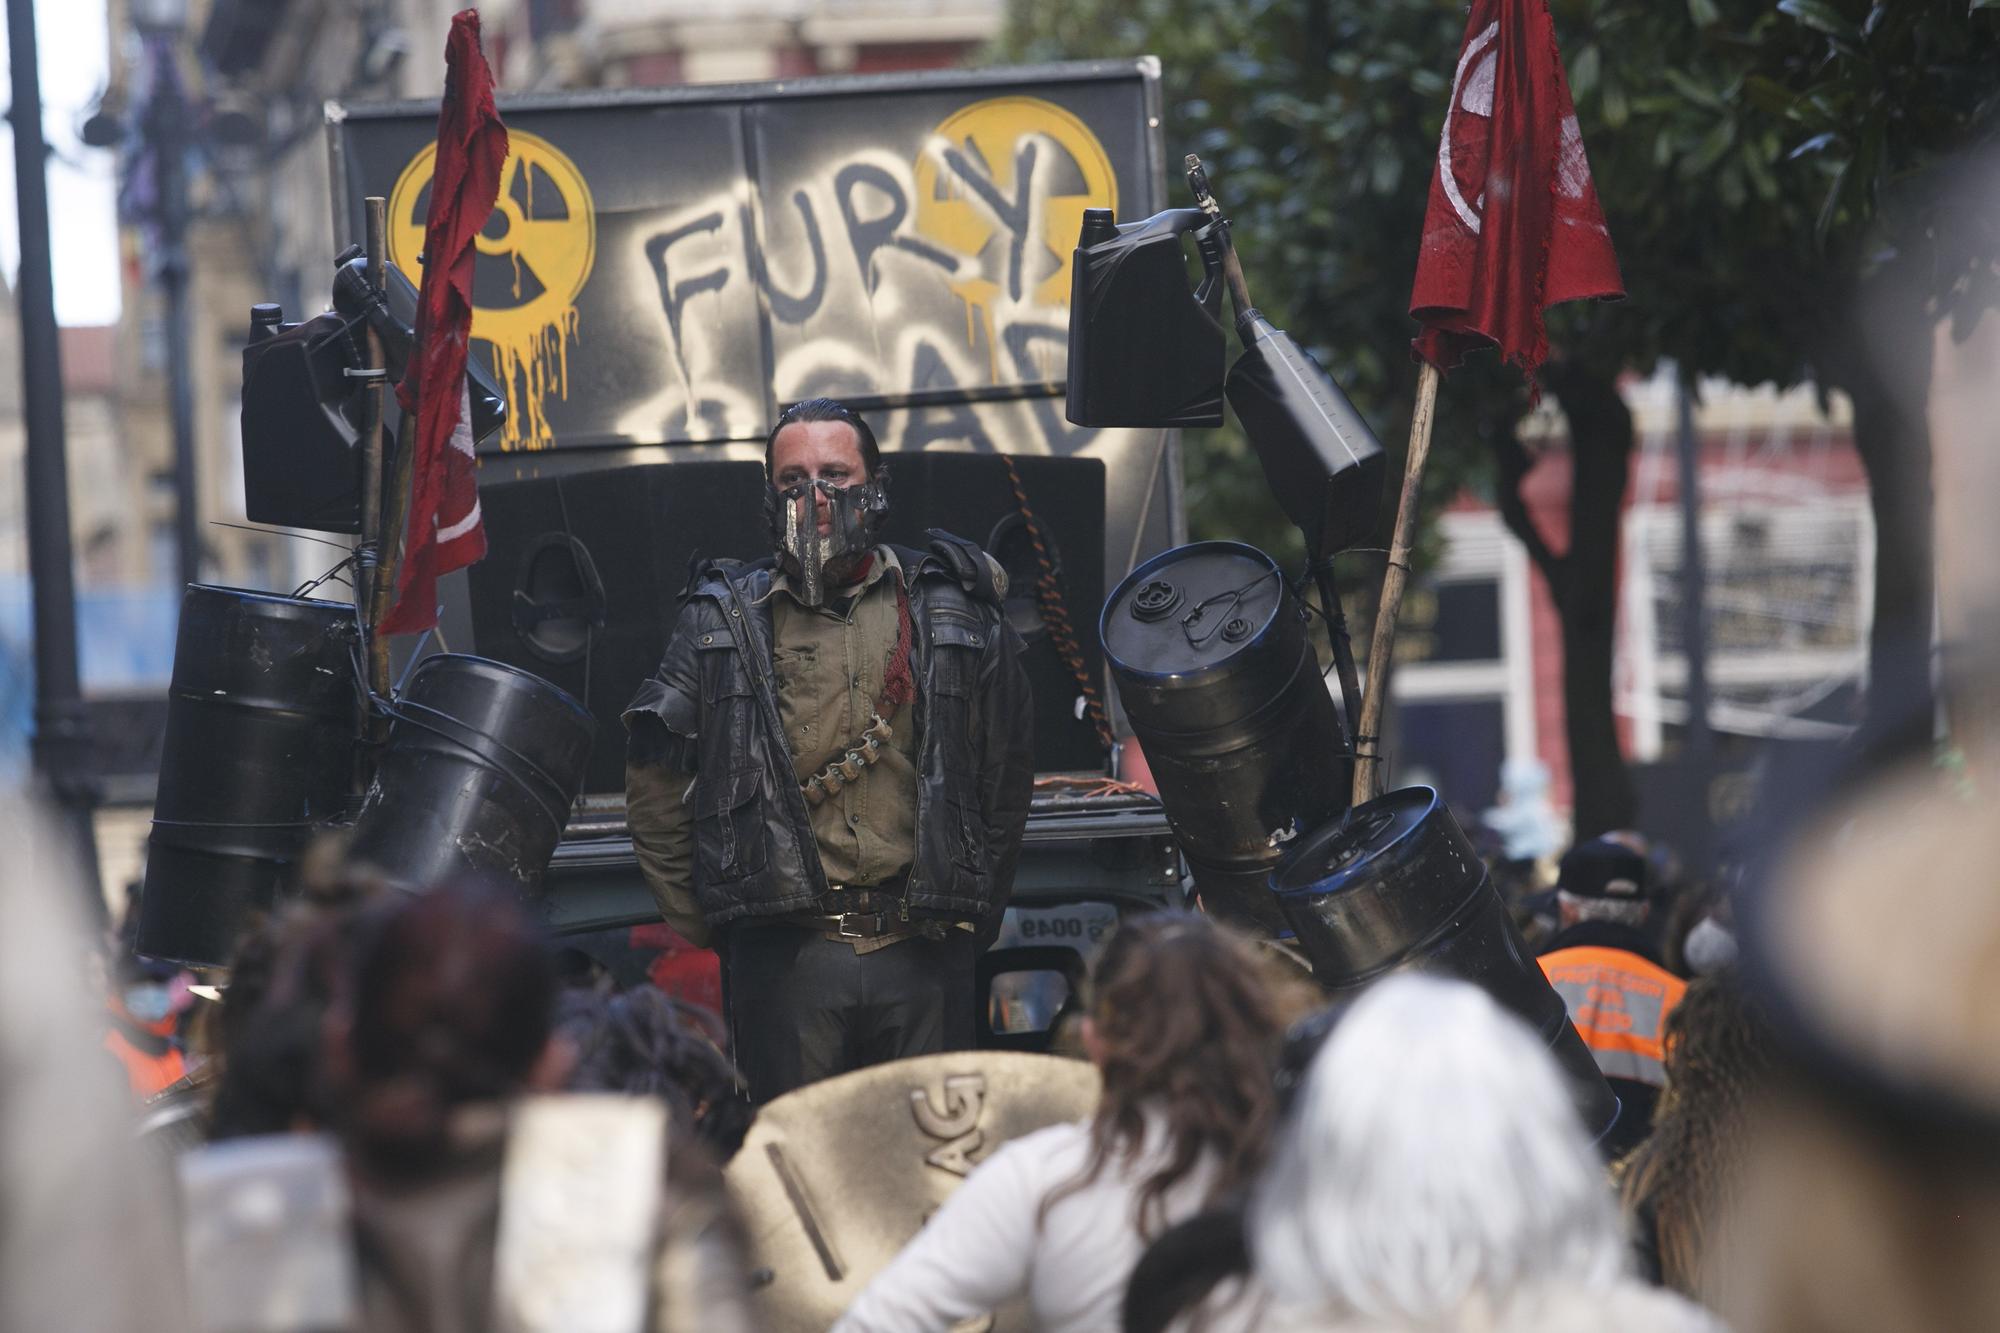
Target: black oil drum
259 747
1395 883
1218 675
483 765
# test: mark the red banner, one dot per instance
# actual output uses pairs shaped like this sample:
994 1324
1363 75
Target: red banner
444 530
1514 225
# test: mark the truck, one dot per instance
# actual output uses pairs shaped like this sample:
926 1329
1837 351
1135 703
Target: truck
665 270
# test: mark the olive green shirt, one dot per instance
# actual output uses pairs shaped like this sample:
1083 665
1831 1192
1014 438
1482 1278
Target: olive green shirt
828 664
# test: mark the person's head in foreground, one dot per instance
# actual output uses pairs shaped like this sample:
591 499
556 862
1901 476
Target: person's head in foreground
1180 1021
1435 1174
1184 1030
448 1001
644 1042
1871 1192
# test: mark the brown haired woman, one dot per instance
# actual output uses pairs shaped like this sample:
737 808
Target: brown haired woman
1184 1031
1680 1185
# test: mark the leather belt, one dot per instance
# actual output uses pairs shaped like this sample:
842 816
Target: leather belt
857 911
843 898
853 925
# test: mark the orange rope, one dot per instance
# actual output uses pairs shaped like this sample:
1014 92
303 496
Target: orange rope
1089 786
1055 611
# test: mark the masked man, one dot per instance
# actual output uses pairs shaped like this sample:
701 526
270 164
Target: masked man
828 776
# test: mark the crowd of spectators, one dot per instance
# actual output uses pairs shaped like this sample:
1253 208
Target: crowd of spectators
383 1071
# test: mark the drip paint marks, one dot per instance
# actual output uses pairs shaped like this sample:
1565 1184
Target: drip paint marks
535 253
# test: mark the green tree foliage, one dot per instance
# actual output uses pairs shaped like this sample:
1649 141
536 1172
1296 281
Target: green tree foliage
1795 227
1768 170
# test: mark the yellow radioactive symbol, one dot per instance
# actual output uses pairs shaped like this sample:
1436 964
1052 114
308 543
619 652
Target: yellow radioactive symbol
1072 173
535 254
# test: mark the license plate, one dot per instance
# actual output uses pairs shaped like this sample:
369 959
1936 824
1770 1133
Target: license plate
1078 925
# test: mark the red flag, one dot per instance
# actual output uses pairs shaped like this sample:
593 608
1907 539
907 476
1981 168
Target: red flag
444 531
1514 225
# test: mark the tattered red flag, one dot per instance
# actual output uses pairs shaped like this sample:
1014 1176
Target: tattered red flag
444 530
1514 225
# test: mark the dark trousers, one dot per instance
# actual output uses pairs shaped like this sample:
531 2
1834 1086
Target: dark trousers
802 1007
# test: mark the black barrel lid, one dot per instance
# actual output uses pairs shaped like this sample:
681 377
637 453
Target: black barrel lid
1327 859
267 604
1190 609
491 688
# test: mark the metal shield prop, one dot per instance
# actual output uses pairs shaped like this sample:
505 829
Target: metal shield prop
836 1177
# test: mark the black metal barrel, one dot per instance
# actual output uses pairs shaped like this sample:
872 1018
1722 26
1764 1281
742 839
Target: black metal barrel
259 747
1218 675
483 765
1396 884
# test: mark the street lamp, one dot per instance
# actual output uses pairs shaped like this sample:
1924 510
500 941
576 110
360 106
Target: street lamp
156 137
62 745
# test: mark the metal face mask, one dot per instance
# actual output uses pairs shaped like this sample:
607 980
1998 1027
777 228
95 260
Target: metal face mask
856 512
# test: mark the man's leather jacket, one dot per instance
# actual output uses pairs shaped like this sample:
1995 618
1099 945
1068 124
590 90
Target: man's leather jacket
711 710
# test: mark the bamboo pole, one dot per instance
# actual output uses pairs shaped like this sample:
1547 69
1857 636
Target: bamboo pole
1367 761
396 506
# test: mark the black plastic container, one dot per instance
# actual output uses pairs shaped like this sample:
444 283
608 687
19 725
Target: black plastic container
483 765
259 747
302 413
1320 459
1218 675
1144 349
1396 884
302 461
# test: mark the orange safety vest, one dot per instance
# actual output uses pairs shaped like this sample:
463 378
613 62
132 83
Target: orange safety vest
148 1073
1619 1003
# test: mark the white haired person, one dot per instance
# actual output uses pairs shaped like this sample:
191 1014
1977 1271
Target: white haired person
1435 1175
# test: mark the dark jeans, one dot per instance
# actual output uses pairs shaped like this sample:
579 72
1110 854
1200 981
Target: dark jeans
802 1007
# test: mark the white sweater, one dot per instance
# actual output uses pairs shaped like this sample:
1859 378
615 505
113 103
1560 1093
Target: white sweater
987 1246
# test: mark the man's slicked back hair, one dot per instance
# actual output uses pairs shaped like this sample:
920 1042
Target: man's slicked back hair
826 409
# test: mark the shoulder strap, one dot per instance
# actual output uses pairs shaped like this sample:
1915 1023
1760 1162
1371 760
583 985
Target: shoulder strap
711 577
965 562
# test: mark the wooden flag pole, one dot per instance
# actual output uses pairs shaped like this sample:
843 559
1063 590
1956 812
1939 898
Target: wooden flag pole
1367 758
377 576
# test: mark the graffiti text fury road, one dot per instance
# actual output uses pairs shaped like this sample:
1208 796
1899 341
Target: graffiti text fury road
878 274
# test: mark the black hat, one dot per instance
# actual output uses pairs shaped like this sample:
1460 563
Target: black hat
1603 868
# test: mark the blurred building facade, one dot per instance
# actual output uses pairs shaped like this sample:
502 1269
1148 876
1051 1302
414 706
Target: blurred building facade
109 503
543 44
1788 545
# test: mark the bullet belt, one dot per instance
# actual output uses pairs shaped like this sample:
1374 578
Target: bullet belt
829 781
